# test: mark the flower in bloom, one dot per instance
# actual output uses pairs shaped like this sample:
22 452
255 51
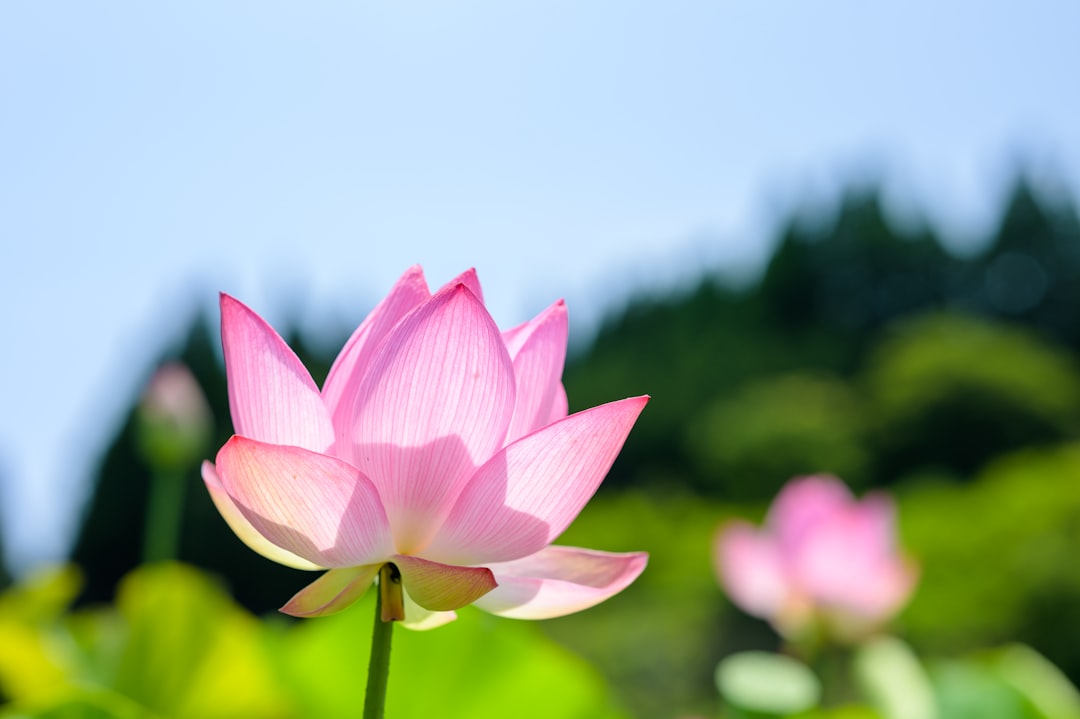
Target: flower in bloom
438 445
822 556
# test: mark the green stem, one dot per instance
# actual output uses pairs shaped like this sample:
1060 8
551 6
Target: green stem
379 665
161 535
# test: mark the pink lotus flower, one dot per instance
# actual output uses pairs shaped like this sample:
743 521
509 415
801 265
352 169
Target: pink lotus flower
437 444
822 555
173 397
174 419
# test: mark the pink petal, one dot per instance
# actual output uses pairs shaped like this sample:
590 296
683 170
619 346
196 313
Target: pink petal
511 337
343 381
332 592
538 351
752 571
846 562
312 505
239 524
879 511
272 398
442 587
526 495
559 580
560 406
470 280
804 503
882 596
434 406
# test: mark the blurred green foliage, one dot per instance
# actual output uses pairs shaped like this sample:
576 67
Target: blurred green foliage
175 646
772 430
943 388
997 555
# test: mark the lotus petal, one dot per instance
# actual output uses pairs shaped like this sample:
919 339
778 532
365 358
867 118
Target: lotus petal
804 503
560 405
312 505
752 569
849 561
272 398
239 524
343 380
333 591
559 580
538 351
525 496
436 403
470 280
442 587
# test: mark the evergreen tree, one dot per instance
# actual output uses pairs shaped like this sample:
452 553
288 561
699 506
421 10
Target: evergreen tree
1031 272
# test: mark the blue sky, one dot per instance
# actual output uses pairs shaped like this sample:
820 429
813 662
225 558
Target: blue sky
301 155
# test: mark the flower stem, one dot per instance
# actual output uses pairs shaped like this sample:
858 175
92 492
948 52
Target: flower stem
161 535
379 665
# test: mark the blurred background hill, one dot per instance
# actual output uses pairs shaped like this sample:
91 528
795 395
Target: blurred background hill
866 348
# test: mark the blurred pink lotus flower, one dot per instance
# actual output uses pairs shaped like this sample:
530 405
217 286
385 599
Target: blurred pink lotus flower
437 444
173 396
822 557
174 419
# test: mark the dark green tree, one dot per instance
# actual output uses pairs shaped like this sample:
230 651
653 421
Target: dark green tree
5 576
1031 270
949 392
850 277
